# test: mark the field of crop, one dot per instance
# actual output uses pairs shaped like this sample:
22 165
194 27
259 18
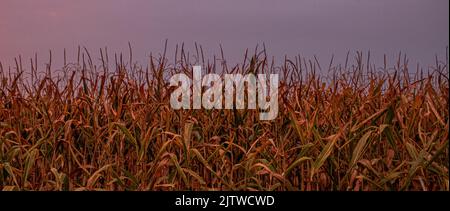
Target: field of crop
105 123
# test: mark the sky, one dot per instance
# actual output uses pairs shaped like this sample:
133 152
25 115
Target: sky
419 28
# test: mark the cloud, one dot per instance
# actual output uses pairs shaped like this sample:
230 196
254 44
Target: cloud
53 14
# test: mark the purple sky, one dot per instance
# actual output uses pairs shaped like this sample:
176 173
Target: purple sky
320 27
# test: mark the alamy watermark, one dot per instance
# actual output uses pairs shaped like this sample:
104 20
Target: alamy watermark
229 94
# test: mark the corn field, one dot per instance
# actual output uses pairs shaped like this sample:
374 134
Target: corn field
105 123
